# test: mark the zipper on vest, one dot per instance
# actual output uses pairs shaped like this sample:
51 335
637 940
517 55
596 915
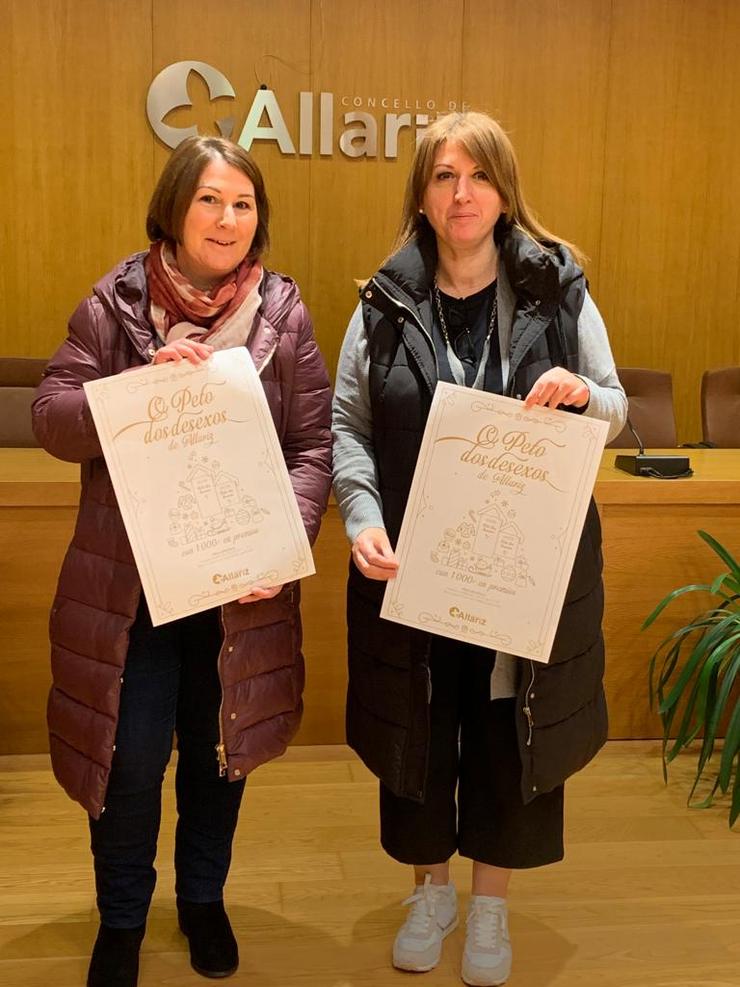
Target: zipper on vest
417 321
527 709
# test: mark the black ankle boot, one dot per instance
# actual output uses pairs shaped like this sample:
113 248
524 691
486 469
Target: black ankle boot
213 948
115 958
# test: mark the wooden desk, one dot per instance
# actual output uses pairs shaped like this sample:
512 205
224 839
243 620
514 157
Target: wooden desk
650 547
38 506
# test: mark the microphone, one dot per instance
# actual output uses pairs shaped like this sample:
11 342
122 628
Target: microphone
632 429
657 467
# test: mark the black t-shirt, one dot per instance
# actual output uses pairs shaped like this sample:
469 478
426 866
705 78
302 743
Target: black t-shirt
468 321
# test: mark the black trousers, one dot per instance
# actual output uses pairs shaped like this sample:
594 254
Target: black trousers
473 750
170 683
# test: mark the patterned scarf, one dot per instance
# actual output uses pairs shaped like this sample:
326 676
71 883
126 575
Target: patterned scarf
177 309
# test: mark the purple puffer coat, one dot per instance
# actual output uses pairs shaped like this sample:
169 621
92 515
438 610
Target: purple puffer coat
260 663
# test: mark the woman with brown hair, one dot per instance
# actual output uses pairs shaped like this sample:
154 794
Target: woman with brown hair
471 746
228 681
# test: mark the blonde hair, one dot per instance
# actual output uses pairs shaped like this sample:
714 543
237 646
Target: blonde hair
486 142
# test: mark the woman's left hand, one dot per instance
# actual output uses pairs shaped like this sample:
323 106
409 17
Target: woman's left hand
558 386
183 349
261 593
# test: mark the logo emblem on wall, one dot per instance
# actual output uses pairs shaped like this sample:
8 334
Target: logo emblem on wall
169 90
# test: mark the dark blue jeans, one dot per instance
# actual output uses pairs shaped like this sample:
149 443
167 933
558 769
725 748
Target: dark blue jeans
170 683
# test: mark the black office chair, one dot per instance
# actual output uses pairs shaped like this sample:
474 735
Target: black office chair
650 408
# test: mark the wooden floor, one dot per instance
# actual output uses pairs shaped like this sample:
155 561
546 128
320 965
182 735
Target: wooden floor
648 896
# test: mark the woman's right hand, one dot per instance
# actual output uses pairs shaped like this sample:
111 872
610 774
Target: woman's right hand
373 555
183 349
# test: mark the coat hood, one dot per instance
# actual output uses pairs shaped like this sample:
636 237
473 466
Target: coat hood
534 270
125 295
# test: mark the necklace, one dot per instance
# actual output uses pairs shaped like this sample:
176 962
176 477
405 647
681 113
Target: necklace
458 371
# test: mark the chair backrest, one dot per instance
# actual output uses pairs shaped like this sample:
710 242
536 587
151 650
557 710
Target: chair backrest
650 407
720 407
19 378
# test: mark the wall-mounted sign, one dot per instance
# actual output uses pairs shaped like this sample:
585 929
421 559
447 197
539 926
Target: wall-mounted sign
362 136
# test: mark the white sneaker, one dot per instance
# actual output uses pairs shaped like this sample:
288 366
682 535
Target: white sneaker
433 916
487 953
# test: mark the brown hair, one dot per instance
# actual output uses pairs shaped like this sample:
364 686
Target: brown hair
486 142
177 184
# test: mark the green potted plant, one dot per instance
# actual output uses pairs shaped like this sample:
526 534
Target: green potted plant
695 675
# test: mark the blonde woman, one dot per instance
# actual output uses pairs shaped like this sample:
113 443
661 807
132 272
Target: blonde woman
471 747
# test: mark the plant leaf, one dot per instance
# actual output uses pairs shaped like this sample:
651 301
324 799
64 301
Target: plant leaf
692 679
728 680
669 663
673 596
707 642
705 802
707 747
730 750
722 579
722 552
735 803
686 733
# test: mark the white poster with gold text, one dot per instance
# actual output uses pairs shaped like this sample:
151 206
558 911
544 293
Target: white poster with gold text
201 482
493 521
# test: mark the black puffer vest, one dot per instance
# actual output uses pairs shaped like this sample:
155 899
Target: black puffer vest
561 710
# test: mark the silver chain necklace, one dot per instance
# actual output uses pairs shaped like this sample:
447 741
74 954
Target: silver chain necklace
458 371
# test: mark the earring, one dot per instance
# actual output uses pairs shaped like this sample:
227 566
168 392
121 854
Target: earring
421 212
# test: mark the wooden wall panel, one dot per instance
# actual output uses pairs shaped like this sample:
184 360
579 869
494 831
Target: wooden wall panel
325 636
623 113
650 548
76 153
31 565
541 69
371 48
671 555
670 260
